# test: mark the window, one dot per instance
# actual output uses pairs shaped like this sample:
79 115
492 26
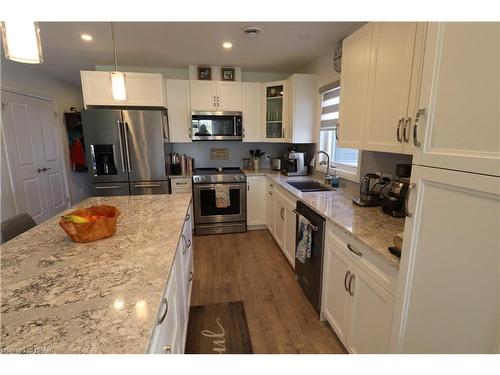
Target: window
345 160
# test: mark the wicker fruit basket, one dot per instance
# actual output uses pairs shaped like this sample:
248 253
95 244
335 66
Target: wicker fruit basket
90 224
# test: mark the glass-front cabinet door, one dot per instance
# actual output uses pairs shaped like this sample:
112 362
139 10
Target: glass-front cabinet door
274 110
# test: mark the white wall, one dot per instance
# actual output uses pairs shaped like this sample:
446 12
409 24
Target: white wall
32 80
183 73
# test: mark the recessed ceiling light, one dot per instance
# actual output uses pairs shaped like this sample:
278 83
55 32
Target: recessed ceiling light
227 45
86 37
252 31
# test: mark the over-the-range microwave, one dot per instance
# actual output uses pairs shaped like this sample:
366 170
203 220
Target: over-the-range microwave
216 126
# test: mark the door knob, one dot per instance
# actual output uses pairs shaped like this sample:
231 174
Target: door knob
167 349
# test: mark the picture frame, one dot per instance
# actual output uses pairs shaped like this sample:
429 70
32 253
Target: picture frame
204 73
227 74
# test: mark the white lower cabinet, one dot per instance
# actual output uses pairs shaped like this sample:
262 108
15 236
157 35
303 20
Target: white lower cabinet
169 333
270 207
256 205
283 221
359 309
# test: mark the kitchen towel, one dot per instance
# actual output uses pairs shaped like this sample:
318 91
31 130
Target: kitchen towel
222 196
305 240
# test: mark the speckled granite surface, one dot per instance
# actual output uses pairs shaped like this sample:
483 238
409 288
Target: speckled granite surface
102 297
368 225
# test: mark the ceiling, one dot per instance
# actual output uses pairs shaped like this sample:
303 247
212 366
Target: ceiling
280 47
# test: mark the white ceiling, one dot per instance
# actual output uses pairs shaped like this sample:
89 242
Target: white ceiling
179 44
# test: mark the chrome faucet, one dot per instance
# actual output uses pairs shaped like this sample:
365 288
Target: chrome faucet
328 178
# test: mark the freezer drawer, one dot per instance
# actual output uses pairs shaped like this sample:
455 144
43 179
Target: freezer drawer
109 189
148 187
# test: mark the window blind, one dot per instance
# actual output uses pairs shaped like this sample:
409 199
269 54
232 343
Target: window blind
330 106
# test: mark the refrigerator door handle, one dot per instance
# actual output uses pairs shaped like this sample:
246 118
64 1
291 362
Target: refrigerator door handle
119 124
129 169
165 125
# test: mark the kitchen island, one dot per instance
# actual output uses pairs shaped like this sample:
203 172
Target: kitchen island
100 297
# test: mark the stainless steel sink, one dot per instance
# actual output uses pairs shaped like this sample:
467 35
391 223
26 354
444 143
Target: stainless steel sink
309 186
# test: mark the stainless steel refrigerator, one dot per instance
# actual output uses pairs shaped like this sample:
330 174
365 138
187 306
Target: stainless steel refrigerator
126 151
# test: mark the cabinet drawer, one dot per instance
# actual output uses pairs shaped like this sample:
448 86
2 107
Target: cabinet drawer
381 271
181 182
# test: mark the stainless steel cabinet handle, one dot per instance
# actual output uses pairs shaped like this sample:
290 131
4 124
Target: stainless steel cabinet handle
416 142
407 209
337 131
353 250
147 185
184 249
351 292
190 278
107 187
187 217
270 193
119 124
398 129
347 274
167 349
282 210
126 147
271 185
164 314
406 135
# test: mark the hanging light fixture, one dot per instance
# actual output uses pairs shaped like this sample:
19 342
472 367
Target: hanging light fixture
117 78
21 41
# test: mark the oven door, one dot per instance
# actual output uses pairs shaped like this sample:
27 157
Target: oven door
216 126
206 211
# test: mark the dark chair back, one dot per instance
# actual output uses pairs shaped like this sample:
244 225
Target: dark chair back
15 226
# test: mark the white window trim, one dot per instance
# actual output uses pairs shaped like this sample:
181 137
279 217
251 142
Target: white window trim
344 171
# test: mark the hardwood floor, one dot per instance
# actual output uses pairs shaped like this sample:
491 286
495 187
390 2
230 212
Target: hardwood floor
250 267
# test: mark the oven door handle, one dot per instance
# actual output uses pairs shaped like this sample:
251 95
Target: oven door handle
212 187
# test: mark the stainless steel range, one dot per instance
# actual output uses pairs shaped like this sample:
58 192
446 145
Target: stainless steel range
220 203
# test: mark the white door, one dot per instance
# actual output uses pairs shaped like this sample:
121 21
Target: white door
354 87
459 124
449 291
252 111
145 89
203 95
179 110
256 205
290 230
229 96
371 314
335 301
393 47
31 139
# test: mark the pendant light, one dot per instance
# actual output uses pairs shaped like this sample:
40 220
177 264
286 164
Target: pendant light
117 78
21 41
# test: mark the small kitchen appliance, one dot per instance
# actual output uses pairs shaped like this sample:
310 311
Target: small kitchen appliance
276 163
369 194
294 164
394 197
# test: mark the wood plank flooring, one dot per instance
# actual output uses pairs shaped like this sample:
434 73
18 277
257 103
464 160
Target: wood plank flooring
250 267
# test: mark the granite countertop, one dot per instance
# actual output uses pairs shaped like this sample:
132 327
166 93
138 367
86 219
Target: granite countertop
100 297
369 225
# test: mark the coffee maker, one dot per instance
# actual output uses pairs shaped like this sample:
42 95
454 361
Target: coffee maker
294 163
393 198
369 194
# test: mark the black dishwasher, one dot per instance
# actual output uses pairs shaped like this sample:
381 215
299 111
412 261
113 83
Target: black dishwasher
309 273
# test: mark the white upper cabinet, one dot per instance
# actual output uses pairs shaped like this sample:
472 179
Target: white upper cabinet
203 95
274 112
354 81
459 121
178 109
252 111
229 96
215 95
143 89
302 90
393 50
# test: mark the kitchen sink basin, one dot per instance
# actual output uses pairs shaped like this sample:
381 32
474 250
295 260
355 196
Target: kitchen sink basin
308 186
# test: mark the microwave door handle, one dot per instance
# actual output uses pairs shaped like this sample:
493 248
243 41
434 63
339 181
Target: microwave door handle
234 126
165 125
